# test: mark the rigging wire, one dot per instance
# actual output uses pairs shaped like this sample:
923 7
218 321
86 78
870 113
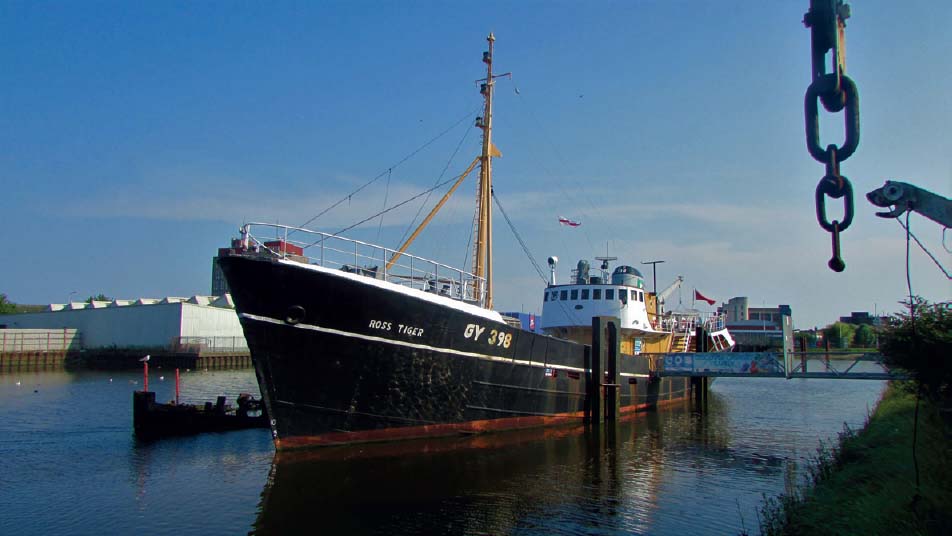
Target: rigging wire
445 168
931 256
398 205
522 243
525 249
390 169
386 195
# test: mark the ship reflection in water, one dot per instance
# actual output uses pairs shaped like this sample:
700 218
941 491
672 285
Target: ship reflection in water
569 480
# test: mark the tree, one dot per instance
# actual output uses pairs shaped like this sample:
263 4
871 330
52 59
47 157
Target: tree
840 334
809 335
865 336
920 341
98 297
6 306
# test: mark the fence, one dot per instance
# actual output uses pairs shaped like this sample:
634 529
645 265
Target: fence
210 345
22 341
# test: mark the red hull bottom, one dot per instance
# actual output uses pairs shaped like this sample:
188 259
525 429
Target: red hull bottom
454 429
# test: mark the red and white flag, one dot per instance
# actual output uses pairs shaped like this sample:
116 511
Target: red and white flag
699 296
570 223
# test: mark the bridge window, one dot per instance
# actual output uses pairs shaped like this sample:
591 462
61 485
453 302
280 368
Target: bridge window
584 293
545 297
564 295
596 293
609 294
623 295
575 294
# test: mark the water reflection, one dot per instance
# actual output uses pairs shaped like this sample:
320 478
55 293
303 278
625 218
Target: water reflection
671 471
570 480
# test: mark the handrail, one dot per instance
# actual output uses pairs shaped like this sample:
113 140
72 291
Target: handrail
365 258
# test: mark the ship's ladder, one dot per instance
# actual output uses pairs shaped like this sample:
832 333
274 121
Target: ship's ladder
681 342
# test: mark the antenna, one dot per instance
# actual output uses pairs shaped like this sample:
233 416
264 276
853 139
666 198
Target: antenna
605 261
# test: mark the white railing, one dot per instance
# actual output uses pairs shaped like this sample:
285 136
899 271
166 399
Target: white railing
680 322
366 259
716 322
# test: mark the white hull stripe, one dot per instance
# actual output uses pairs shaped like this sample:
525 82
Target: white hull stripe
409 344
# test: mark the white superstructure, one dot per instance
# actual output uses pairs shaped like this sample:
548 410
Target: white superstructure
623 296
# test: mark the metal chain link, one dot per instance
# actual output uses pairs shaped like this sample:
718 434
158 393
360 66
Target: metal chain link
827 22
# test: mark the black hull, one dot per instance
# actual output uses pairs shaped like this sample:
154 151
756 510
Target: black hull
342 358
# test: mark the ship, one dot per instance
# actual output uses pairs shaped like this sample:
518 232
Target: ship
355 342
645 326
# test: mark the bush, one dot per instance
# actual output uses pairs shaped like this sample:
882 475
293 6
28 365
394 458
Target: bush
920 341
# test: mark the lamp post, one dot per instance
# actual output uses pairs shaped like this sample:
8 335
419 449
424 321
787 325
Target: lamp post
654 276
69 299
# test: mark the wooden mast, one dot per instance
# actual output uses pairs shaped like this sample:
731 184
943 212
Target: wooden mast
482 260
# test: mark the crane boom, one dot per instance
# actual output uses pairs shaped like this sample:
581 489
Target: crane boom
663 295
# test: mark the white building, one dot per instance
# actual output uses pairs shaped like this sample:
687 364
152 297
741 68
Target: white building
144 323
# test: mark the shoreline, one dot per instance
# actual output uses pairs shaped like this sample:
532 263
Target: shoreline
865 483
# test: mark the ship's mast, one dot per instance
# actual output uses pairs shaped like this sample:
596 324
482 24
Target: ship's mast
482 260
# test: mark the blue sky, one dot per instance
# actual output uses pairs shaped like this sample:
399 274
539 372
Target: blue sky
137 137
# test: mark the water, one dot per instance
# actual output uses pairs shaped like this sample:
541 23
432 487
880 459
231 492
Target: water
70 464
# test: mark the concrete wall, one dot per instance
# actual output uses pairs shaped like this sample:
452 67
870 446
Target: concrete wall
199 321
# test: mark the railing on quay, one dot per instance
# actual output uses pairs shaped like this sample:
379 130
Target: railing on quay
366 259
14 341
210 345
768 364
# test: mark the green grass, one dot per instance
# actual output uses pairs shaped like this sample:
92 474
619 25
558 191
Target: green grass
867 483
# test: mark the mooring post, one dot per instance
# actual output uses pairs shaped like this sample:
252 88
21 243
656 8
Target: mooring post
587 404
700 339
145 375
176 386
595 372
826 358
612 386
700 392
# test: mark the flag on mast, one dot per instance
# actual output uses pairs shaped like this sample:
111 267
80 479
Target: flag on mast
699 296
565 221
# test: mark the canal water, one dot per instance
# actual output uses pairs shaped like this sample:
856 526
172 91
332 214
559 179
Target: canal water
69 464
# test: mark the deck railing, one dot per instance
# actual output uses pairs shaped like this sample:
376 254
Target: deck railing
363 258
687 322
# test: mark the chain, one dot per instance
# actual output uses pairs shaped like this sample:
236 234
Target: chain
827 22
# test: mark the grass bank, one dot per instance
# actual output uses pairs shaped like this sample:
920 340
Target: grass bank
867 483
